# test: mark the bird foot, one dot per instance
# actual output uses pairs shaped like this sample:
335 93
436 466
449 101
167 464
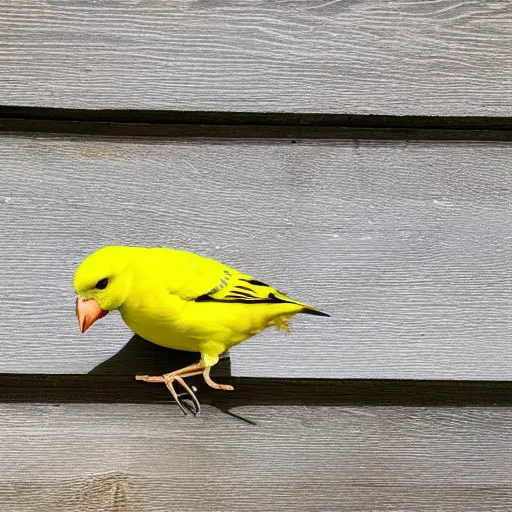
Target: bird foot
147 378
214 385
190 371
168 379
224 387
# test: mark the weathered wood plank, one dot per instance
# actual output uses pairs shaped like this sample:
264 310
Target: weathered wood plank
407 245
133 457
434 58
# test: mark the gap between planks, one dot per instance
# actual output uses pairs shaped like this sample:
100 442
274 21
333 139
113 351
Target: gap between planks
221 125
44 388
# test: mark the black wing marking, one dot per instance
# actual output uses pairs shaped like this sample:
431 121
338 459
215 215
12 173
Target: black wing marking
255 282
271 299
240 287
241 294
236 294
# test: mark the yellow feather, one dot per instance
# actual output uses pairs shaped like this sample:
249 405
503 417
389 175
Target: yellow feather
282 323
181 300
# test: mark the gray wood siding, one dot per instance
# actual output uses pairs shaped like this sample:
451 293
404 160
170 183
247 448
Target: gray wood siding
406 244
444 57
150 458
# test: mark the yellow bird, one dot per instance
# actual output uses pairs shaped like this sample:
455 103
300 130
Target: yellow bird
180 300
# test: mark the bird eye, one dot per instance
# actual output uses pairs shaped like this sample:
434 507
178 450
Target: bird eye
102 284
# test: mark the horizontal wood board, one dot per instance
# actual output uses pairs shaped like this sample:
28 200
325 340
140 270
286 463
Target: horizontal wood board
406 244
352 56
149 457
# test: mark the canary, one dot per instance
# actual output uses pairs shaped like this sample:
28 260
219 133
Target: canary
180 300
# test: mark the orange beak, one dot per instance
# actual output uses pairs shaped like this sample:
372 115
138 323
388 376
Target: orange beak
88 311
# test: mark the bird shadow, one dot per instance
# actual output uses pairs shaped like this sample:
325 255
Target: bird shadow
141 357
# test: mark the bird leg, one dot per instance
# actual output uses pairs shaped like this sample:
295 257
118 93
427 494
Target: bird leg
181 372
214 385
178 375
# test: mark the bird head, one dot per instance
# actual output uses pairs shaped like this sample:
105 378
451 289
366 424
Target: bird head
102 283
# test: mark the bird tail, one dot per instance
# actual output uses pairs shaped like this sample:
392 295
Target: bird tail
312 311
305 308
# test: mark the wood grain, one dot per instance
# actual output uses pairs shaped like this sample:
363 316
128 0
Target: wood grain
406 244
148 457
360 56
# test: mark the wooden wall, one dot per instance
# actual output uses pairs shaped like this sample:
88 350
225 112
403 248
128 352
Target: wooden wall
356 154
405 243
323 459
351 56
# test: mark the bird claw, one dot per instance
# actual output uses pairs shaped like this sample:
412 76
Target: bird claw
147 378
188 391
168 380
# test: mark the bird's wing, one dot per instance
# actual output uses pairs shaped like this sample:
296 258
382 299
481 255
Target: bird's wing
196 278
206 280
235 287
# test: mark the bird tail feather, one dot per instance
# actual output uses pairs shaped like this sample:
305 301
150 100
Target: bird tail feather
305 308
312 311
